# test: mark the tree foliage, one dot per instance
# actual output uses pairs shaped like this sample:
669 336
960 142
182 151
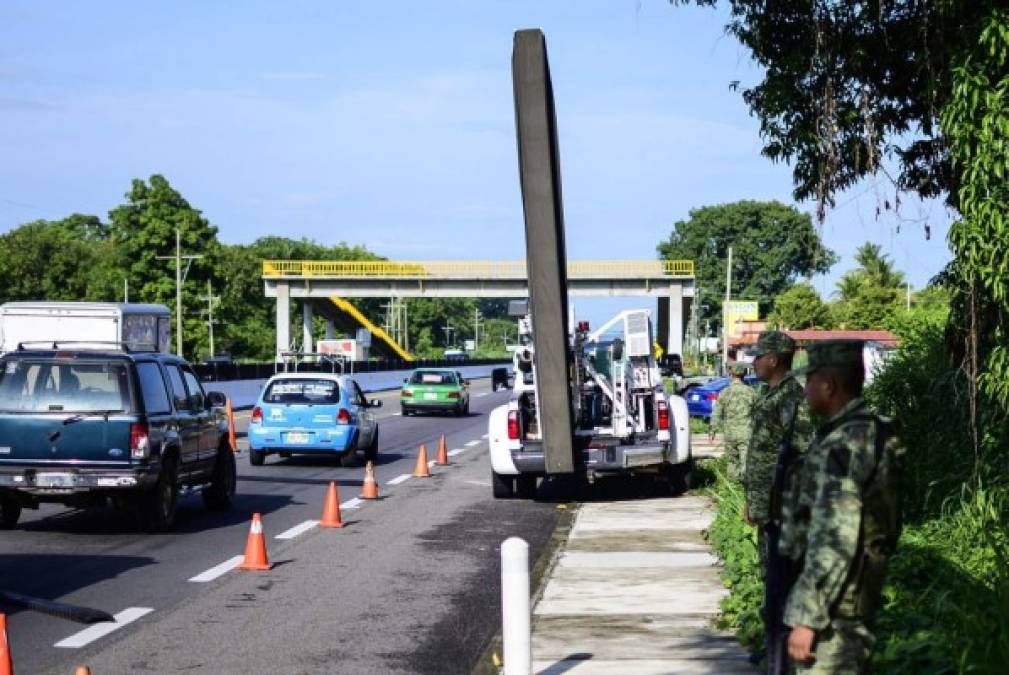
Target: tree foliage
799 307
870 294
772 244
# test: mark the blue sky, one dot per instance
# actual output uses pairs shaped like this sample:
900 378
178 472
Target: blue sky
391 124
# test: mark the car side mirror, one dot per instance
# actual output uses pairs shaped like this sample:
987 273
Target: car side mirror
466 382
375 403
216 399
405 380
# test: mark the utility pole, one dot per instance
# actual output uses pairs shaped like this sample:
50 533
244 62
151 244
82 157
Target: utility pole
909 296
476 329
725 314
448 333
126 289
179 279
210 315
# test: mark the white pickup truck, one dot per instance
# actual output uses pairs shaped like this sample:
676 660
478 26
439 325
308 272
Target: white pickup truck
626 422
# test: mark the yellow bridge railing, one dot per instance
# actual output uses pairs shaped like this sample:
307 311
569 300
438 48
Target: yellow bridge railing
475 269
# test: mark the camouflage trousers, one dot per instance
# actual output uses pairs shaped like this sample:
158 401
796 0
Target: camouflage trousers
735 453
842 648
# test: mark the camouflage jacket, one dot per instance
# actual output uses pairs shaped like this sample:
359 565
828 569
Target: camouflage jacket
732 412
772 416
841 518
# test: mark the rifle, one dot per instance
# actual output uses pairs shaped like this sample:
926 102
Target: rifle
781 571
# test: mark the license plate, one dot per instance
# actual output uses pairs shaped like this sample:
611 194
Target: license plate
430 395
695 397
54 480
297 437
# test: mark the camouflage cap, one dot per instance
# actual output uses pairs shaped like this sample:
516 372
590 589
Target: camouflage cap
738 367
773 342
841 353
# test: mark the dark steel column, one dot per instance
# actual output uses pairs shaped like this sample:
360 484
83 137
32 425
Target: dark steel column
539 170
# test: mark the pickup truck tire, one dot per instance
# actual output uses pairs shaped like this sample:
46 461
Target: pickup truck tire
10 511
256 457
503 486
525 487
221 493
678 477
158 505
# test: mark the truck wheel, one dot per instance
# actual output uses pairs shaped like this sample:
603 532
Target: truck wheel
678 476
221 493
158 505
504 486
257 457
10 511
526 487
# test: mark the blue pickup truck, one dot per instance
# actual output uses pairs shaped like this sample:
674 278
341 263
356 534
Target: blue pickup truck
85 426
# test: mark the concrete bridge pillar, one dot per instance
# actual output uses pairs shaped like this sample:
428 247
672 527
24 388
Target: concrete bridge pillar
670 323
283 318
307 343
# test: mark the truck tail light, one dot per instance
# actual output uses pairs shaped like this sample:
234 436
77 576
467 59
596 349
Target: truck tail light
343 417
140 447
663 416
513 425
453 394
257 415
712 396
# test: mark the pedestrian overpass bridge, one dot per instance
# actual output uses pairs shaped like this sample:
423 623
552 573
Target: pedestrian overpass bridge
319 283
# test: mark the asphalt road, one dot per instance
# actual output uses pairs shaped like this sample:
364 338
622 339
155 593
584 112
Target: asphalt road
410 585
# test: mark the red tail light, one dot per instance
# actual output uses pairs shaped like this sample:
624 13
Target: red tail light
257 415
513 425
663 416
712 396
139 441
406 393
453 394
343 417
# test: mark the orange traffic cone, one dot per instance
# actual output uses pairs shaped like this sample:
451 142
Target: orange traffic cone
369 490
442 459
421 470
255 548
6 663
230 412
82 670
331 508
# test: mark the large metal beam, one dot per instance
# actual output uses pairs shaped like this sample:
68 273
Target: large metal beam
539 171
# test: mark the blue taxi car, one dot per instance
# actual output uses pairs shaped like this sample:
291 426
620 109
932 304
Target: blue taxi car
313 413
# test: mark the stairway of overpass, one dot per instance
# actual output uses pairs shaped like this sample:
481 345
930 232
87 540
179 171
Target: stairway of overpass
385 342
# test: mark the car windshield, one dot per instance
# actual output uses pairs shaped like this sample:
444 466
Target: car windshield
47 385
303 391
432 377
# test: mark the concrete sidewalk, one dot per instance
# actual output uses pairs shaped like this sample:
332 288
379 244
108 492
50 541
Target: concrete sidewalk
636 590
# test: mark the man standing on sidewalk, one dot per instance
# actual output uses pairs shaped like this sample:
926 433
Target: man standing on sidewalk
840 517
732 417
780 417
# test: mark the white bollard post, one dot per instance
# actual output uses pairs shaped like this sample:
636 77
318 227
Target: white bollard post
518 658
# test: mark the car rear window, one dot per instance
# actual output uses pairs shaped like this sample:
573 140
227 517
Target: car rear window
424 377
45 385
302 391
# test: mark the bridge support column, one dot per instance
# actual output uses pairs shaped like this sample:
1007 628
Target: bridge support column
283 318
306 326
670 324
330 329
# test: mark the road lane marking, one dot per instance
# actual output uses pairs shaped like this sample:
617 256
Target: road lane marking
354 503
297 529
400 479
100 630
472 443
484 436
218 570
431 463
457 451
483 394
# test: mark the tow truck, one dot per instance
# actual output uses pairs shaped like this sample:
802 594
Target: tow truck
626 423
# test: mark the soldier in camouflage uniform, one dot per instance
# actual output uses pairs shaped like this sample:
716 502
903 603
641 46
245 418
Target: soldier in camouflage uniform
732 417
840 517
772 415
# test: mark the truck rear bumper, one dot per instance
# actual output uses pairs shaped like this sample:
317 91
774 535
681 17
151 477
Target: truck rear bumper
612 458
56 481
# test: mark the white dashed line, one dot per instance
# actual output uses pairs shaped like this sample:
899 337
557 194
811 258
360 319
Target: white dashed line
400 479
431 463
483 394
297 529
354 503
218 570
396 414
100 630
484 436
472 443
457 451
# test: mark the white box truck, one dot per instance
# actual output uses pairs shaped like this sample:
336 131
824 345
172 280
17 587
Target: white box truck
85 325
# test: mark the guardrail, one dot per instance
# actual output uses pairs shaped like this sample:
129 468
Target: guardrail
224 372
474 269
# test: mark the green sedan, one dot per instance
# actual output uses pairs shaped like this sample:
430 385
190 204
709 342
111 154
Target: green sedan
435 389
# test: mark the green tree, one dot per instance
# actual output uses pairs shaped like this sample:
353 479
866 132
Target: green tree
772 244
869 296
799 307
